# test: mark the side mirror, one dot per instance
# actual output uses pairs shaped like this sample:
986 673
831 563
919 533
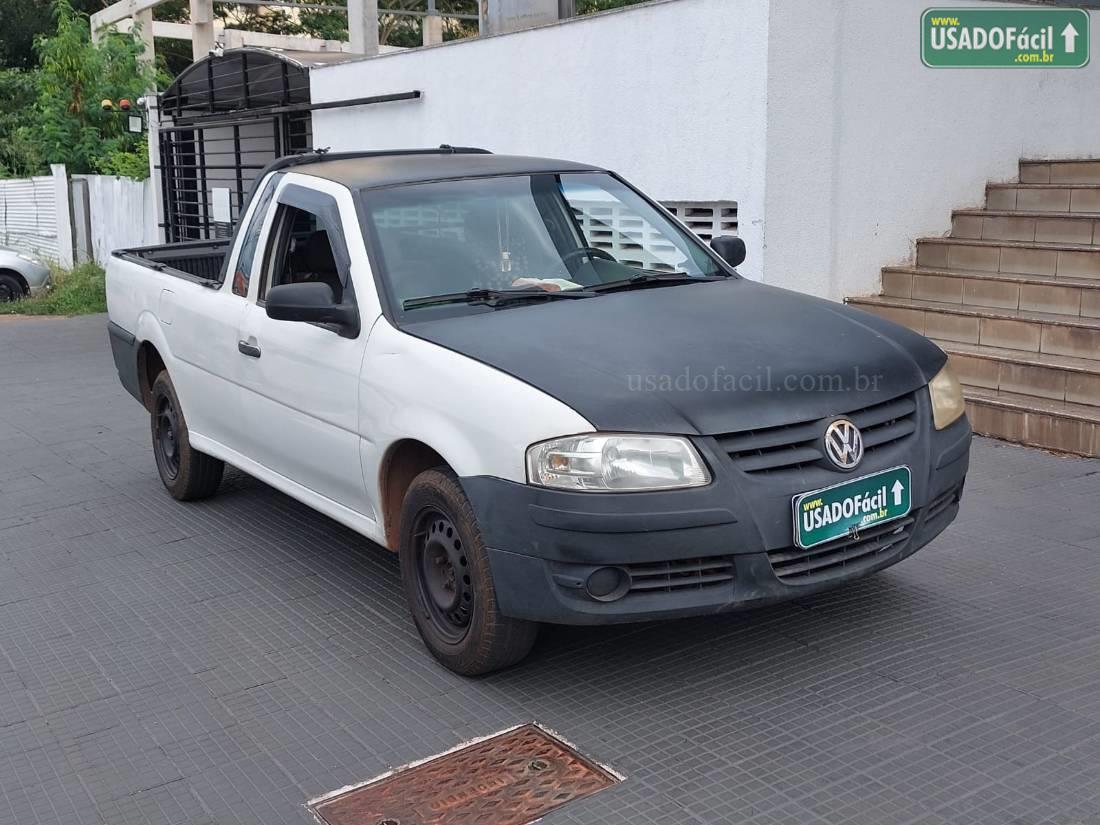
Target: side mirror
730 248
312 302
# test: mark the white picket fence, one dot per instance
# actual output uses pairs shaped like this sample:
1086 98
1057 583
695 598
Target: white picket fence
120 213
67 221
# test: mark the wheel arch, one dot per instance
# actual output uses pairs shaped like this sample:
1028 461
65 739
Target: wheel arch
150 364
403 461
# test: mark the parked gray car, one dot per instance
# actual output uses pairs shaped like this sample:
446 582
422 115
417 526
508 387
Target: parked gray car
20 275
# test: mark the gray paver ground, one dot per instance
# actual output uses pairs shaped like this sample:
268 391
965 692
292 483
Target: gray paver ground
223 662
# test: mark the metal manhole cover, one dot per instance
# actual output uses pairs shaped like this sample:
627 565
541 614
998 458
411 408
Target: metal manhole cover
510 779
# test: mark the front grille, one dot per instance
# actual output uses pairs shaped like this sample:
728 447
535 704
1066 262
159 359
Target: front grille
684 574
793 565
792 446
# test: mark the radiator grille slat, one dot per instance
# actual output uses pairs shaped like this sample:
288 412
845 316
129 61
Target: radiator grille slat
684 574
794 565
793 446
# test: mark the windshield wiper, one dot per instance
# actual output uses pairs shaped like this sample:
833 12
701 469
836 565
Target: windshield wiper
495 297
650 277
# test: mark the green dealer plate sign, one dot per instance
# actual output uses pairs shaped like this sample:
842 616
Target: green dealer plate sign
824 515
1005 38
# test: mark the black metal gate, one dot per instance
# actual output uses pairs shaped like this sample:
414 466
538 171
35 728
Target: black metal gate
201 158
223 120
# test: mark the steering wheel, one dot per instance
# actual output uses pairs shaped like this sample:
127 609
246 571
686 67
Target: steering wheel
590 251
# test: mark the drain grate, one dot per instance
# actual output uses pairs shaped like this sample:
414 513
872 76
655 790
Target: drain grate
510 779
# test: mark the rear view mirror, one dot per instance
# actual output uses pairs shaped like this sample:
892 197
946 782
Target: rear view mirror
312 302
730 248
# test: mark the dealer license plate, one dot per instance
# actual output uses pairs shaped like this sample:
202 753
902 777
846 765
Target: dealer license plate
844 509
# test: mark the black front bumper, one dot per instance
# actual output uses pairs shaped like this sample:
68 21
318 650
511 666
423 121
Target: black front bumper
704 550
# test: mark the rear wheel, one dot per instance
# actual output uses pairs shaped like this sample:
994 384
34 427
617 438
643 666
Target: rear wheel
186 473
448 583
10 288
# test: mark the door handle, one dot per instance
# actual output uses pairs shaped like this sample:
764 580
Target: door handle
251 350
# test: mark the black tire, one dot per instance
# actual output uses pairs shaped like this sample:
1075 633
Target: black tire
448 583
186 473
10 288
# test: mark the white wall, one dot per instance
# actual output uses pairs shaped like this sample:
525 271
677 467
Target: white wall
670 95
868 149
122 214
816 116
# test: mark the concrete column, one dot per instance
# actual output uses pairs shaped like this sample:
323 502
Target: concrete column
202 28
154 212
63 214
362 26
433 30
145 20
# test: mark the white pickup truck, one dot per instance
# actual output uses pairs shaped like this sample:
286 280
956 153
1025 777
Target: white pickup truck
541 390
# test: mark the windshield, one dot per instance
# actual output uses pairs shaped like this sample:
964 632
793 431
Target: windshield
524 233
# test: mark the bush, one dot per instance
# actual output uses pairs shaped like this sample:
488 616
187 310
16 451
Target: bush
79 291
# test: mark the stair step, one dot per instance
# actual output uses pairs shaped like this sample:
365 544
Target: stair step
1041 197
1052 425
1085 170
1020 257
1027 331
995 290
1052 377
1022 225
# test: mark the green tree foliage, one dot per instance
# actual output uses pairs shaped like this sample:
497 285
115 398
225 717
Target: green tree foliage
405 30
74 76
593 6
20 154
22 21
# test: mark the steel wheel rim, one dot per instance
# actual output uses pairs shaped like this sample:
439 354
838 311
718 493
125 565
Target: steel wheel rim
6 293
443 576
167 437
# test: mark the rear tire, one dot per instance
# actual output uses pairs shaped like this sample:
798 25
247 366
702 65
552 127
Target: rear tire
186 473
10 288
448 583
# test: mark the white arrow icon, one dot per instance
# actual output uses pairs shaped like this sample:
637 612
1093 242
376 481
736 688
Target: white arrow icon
897 490
1070 35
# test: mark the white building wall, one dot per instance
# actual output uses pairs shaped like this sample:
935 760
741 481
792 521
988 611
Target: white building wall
816 116
868 149
670 95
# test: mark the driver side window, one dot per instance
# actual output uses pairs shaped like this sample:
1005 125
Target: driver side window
614 227
301 251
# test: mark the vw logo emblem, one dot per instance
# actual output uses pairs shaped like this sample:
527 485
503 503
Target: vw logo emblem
844 444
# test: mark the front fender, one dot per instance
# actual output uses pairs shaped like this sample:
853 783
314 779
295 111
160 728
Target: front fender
479 419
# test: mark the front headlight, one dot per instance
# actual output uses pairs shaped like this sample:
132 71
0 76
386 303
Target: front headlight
947 398
601 463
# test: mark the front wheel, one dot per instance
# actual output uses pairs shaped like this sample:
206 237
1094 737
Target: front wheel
185 472
448 583
10 288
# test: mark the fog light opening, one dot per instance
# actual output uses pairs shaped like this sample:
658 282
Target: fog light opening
607 584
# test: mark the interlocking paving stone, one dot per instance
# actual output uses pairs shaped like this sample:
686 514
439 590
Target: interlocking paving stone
226 661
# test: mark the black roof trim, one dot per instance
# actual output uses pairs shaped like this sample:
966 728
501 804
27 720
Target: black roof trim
321 155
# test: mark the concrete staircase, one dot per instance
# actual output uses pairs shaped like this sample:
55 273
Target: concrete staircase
1013 296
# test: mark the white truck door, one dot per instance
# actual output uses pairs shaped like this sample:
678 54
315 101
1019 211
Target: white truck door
300 381
202 333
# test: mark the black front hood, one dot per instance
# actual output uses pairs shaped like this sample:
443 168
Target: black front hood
697 359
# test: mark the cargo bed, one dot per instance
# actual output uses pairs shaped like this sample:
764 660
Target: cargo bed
202 261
